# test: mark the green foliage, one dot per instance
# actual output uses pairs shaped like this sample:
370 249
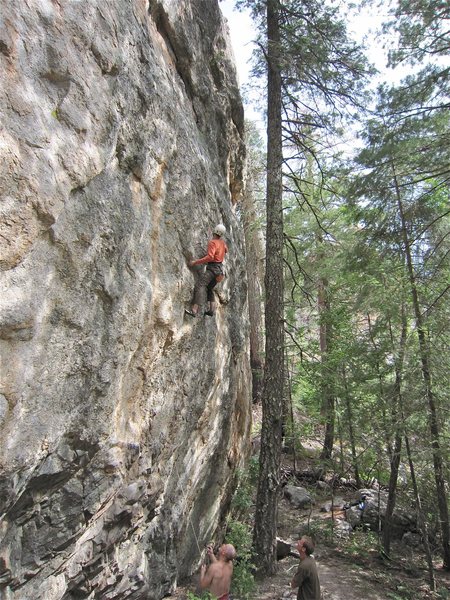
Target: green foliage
423 29
402 592
243 583
367 249
243 496
321 531
256 428
443 593
204 596
293 436
242 499
240 535
361 543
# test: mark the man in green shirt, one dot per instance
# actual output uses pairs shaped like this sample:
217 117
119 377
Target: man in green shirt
306 578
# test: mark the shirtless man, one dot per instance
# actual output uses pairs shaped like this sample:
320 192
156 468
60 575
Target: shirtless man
217 578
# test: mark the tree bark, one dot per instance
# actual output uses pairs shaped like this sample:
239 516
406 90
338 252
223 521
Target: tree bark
396 450
254 256
327 392
386 429
420 516
351 434
265 529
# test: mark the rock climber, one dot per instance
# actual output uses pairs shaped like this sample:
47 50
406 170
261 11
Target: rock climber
205 284
306 578
217 577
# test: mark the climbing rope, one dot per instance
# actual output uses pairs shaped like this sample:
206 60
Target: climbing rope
184 495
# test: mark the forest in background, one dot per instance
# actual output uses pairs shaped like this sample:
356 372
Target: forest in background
354 276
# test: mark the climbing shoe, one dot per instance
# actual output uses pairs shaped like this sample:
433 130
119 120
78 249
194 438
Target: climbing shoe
190 312
209 313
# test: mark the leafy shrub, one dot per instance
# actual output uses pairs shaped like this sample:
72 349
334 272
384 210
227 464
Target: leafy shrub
320 530
204 596
239 534
402 593
243 583
361 543
443 593
243 496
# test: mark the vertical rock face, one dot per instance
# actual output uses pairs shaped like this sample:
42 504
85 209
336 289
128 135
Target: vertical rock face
121 419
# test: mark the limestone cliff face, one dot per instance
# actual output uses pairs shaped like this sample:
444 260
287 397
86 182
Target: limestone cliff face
122 420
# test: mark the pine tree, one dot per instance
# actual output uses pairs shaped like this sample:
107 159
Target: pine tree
406 207
272 398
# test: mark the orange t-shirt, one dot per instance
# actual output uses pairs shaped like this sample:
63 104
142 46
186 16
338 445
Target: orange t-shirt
215 254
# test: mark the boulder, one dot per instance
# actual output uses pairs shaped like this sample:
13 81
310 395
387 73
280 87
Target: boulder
343 528
370 507
298 496
412 539
353 514
336 504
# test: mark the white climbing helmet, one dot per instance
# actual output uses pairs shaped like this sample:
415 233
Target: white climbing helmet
220 230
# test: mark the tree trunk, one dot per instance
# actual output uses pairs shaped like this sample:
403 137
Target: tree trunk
386 429
254 255
392 493
398 423
341 444
327 392
265 529
290 443
420 516
351 434
426 374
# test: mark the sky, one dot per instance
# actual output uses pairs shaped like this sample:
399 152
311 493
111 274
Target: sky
363 27
242 32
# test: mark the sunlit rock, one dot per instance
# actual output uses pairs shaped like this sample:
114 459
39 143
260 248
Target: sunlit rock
122 422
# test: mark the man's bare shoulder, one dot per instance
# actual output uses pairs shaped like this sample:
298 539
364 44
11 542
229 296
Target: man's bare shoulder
216 567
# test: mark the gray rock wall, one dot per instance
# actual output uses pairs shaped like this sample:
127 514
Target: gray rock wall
122 420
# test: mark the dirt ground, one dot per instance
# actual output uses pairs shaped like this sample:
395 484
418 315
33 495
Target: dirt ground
358 574
349 577
338 582
342 580
342 577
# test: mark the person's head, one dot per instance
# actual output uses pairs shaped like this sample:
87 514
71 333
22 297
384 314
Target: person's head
219 230
305 546
227 552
